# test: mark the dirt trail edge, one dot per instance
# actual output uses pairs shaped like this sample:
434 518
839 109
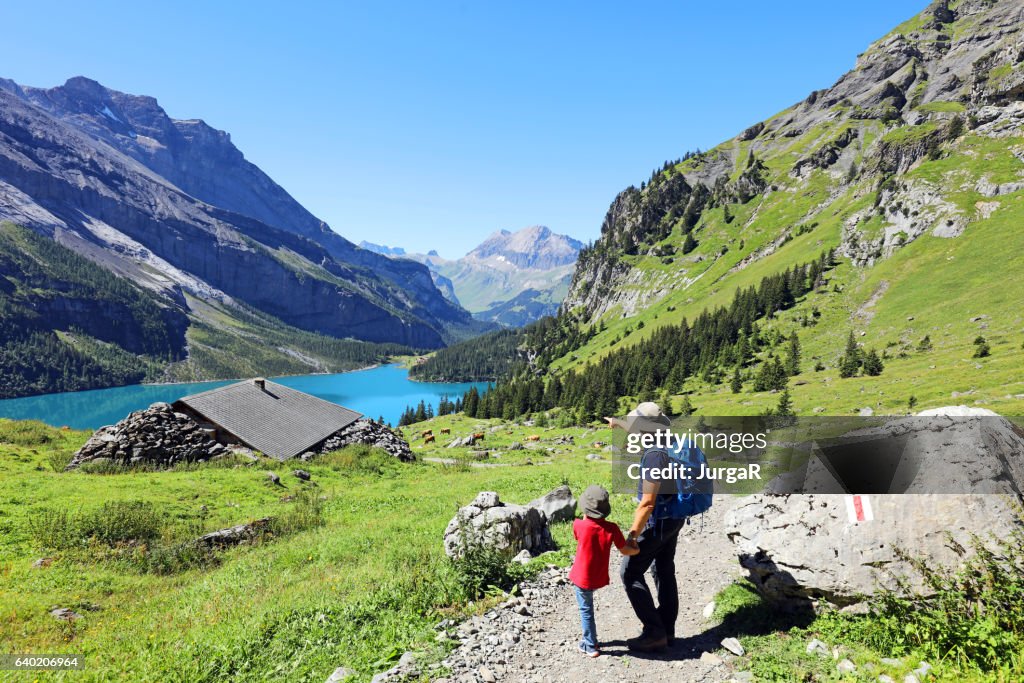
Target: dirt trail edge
533 638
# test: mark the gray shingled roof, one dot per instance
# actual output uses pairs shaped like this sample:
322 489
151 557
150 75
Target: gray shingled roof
276 420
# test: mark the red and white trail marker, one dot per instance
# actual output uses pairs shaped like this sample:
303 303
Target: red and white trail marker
858 508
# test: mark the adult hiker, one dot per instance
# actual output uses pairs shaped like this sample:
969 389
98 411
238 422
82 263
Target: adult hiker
662 509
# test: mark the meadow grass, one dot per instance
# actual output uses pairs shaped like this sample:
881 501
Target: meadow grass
363 581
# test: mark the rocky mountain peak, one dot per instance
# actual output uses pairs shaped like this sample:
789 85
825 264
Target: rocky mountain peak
533 247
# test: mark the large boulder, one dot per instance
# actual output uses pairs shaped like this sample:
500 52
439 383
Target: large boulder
801 548
805 547
507 527
558 504
370 433
157 436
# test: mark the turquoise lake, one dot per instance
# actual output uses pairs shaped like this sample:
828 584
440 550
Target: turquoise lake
381 391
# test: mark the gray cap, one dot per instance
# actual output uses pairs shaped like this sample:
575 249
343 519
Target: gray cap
594 502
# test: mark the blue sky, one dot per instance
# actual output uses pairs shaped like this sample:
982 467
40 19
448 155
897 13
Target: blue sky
430 125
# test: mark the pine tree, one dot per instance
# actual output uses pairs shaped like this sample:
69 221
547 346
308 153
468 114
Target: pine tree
981 347
778 375
850 363
665 402
873 364
686 408
793 355
785 406
472 402
737 382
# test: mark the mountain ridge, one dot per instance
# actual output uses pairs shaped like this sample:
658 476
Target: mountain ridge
907 173
72 168
511 278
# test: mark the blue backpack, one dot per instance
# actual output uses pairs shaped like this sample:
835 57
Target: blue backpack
692 496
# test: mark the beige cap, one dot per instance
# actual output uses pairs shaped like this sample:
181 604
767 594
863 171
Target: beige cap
646 417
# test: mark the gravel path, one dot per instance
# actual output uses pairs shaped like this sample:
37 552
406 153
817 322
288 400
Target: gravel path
533 639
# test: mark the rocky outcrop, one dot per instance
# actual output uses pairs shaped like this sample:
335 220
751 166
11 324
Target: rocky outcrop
235 535
804 547
911 98
157 436
370 433
506 527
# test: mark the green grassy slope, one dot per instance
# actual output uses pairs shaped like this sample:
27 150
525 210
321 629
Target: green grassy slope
369 583
923 206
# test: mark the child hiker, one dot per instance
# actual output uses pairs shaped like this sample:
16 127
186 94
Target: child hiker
594 539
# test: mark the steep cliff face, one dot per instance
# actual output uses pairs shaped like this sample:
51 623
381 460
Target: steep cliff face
205 164
174 206
944 86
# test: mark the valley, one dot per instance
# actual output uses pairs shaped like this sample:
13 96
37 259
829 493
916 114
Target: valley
859 253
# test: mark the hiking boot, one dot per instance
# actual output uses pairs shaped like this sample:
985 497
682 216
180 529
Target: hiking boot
647 643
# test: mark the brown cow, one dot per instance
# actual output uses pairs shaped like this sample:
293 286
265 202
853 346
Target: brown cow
429 432
479 436
533 437
446 430
429 439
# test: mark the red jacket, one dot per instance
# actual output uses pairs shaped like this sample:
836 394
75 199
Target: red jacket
594 538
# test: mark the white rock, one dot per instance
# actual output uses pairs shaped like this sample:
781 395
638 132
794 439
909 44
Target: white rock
734 646
340 674
709 609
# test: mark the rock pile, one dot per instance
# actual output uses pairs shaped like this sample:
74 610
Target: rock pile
157 436
490 642
500 525
372 434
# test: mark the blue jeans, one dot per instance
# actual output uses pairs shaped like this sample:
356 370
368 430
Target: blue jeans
585 600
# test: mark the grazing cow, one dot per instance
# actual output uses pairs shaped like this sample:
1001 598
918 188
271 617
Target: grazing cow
429 432
429 439
65 428
533 437
479 436
446 430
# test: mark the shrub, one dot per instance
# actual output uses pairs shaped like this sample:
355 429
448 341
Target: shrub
25 432
306 512
481 567
975 615
114 523
53 528
120 522
173 558
59 459
360 458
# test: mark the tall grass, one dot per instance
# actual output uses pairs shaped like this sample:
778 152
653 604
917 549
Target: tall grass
113 523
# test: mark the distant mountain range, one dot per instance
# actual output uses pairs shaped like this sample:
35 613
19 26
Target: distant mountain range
174 207
511 278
